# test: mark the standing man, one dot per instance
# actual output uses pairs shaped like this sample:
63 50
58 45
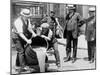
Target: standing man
24 31
71 32
54 24
91 34
51 21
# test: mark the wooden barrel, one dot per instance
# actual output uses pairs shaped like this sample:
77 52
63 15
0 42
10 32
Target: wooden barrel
36 52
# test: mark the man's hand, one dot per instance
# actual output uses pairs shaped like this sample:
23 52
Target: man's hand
34 35
42 36
29 41
92 39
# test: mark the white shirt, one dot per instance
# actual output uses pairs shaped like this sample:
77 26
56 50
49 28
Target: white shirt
18 25
50 33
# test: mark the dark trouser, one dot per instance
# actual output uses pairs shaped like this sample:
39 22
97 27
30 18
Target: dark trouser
56 53
54 44
30 56
20 60
91 49
69 45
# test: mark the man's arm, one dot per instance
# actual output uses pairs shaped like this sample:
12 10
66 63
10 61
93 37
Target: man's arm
58 24
49 35
30 29
80 20
44 20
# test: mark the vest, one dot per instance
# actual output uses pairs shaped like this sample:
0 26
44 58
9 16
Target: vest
25 32
45 32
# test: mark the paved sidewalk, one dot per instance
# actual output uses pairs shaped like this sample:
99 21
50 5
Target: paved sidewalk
80 64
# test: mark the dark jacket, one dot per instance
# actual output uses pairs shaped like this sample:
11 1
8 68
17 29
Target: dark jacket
90 29
75 21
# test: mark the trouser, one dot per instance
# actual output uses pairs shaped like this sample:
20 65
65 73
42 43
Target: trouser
91 49
56 53
54 44
69 45
20 60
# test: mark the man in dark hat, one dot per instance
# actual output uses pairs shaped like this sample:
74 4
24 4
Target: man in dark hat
71 32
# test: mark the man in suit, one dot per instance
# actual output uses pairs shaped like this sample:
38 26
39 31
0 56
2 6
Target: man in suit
91 34
71 32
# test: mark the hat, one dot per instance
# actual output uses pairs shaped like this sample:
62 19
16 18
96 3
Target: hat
25 12
92 9
70 7
45 25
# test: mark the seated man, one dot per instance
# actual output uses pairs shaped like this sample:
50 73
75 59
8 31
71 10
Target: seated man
47 34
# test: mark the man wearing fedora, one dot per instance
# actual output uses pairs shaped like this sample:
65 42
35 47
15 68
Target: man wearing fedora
91 34
71 32
24 31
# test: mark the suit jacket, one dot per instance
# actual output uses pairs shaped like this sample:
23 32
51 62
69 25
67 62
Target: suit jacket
90 29
73 23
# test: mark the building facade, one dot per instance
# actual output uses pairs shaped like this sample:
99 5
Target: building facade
38 9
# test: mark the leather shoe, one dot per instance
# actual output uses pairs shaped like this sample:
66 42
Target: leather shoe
73 60
67 59
91 61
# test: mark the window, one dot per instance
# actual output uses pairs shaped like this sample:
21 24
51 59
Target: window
35 11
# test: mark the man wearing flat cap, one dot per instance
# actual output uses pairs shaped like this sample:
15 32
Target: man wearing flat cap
91 34
71 32
47 33
24 31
